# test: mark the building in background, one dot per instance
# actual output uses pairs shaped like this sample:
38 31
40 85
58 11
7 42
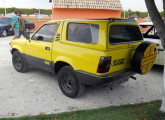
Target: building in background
90 9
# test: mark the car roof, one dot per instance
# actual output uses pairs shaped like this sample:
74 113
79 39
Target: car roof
146 23
106 19
6 17
79 20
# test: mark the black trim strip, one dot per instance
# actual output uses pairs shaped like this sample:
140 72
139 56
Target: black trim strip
40 63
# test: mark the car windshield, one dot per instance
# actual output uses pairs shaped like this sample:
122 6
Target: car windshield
124 34
5 20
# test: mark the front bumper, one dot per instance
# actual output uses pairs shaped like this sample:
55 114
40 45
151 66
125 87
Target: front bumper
0 32
93 80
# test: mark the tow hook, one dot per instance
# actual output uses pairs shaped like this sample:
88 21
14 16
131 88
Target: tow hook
134 78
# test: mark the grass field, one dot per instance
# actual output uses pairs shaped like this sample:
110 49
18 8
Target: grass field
143 111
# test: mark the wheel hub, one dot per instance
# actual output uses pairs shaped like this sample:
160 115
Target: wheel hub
4 33
68 83
18 63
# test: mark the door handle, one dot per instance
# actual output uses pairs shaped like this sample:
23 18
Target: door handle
47 48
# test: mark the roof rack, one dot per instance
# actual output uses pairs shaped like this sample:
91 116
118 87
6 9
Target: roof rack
112 19
122 20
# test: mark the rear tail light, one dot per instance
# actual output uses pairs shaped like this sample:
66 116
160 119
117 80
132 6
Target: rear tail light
104 65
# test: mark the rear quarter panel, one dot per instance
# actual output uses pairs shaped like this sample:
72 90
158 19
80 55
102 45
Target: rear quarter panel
81 56
83 59
86 57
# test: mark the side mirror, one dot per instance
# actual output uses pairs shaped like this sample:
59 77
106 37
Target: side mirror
40 38
27 36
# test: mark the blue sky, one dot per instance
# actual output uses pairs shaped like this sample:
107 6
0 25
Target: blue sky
138 5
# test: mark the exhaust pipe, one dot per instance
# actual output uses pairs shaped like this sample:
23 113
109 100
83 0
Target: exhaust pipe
134 78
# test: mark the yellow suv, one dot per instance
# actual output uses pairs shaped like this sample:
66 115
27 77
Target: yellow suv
86 52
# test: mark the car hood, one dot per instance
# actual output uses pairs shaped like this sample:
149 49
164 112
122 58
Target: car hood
3 24
20 41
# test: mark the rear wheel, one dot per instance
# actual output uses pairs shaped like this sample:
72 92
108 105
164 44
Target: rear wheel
19 62
69 83
4 33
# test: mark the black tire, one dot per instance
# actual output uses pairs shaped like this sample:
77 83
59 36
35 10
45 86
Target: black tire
139 56
19 63
69 83
4 33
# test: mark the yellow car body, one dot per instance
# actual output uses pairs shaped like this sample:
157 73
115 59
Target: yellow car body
81 56
84 58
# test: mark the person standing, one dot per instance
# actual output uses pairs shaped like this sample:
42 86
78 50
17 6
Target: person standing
131 16
15 25
22 30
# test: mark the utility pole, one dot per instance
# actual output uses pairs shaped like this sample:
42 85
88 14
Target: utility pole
5 6
124 13
39 13
149 17
5 10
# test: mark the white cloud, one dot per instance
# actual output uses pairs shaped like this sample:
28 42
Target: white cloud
27 4
139 5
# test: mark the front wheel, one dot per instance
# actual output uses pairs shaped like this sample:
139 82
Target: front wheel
4 33
69 83
19 62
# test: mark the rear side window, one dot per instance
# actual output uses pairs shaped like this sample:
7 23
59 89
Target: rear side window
82 32
124 34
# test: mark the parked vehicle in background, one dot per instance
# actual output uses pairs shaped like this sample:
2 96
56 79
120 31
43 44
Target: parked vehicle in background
150 34
86 52
5 26
29 26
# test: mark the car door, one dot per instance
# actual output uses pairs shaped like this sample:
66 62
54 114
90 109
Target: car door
8 22
38 49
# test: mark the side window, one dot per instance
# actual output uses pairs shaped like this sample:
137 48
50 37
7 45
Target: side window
45 33
82 32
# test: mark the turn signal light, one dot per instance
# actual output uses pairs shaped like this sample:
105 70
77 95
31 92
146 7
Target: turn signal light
104 65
